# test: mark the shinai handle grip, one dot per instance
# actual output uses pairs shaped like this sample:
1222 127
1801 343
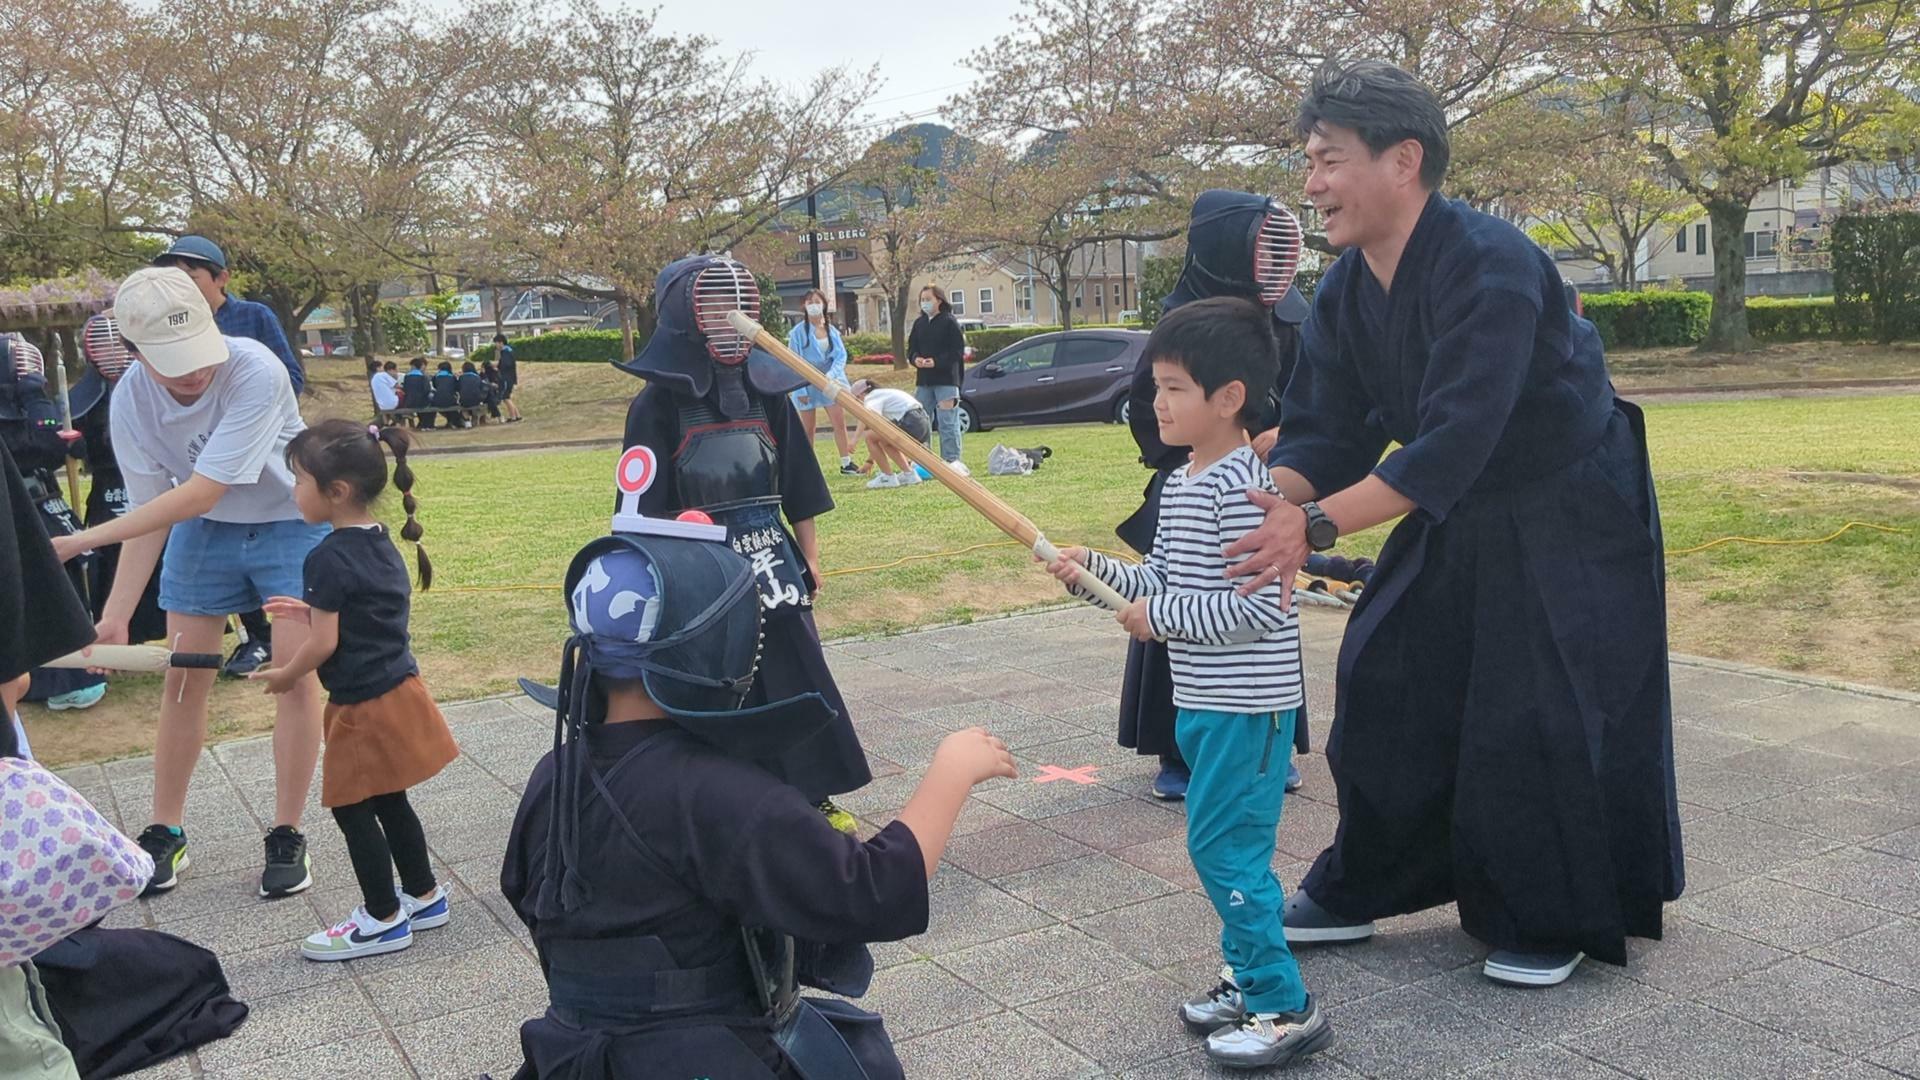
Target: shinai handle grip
990 506
137 658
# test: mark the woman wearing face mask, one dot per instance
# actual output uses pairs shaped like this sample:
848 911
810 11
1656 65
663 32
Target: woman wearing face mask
819 342
937 348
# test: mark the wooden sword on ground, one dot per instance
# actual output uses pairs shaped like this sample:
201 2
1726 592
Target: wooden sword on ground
990 506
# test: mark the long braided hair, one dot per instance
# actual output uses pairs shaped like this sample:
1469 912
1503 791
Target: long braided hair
349 452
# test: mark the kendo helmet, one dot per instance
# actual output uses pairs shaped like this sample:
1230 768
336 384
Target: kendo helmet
107 359
23 377
1244 245
682 616
104 348
693 297
28 362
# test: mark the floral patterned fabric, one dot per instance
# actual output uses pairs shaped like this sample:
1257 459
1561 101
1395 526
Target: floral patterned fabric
62 865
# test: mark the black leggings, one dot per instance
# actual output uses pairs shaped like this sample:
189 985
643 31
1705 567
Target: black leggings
382 833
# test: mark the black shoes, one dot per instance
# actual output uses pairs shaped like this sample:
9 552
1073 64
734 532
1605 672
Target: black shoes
247 658
288 869
169 851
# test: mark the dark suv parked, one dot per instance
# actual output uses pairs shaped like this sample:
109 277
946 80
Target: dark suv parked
1057 378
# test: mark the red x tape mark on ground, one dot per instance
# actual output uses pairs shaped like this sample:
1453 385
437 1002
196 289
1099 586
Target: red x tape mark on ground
1081 775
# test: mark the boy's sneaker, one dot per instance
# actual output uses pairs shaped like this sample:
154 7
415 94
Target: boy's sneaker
838 818
288 869
1170 784
246 659
1531 969
84 698
1263 1040
1294 783
848 468
1307 923
884 480
169 851
907 478
959 467
429 914
1217 1008
360 935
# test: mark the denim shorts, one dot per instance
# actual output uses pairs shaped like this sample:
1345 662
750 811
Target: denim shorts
812 397
227 567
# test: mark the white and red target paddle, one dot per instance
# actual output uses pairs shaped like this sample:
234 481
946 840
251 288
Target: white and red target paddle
639 467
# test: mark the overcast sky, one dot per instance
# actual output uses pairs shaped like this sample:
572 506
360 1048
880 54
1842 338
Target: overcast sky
921 49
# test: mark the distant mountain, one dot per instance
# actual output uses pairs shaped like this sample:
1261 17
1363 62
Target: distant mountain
940 148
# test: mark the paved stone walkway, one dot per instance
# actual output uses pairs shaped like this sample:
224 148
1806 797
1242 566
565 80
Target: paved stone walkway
1066 924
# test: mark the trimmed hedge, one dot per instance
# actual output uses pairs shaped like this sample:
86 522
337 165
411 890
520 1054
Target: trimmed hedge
991 340
994 338
1785 319
560 346
867 344
1642 319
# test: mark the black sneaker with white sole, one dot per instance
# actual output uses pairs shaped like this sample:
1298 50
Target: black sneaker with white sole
850 469
169 851
288 869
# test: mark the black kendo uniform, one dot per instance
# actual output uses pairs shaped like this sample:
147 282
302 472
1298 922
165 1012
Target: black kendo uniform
677 893
41 618
91 402
1504 735
30 426
1221 234
727 441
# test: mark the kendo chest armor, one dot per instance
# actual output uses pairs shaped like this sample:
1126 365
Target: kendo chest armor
729 468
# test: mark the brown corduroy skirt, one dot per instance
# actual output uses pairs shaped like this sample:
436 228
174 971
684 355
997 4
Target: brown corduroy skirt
389 744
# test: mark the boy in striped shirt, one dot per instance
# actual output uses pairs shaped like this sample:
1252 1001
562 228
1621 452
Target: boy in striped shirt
1236 670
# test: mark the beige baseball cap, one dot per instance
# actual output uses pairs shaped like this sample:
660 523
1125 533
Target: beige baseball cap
162 312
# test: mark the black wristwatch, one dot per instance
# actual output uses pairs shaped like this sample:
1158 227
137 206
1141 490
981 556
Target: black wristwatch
1321 531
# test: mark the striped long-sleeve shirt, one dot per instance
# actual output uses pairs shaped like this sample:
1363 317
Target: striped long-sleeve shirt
1229 652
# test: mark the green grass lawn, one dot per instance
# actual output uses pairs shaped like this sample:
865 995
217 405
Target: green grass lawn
502 527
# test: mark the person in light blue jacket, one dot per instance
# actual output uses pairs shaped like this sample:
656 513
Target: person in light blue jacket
818 341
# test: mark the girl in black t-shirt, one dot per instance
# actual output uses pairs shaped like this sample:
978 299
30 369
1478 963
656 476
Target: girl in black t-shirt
384 734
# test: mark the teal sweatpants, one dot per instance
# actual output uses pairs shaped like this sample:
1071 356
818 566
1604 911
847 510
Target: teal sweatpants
1239 763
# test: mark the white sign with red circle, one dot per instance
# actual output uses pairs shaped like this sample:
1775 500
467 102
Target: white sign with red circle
637 470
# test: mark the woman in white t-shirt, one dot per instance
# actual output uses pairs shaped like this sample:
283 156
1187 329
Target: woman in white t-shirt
201 425
891 468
